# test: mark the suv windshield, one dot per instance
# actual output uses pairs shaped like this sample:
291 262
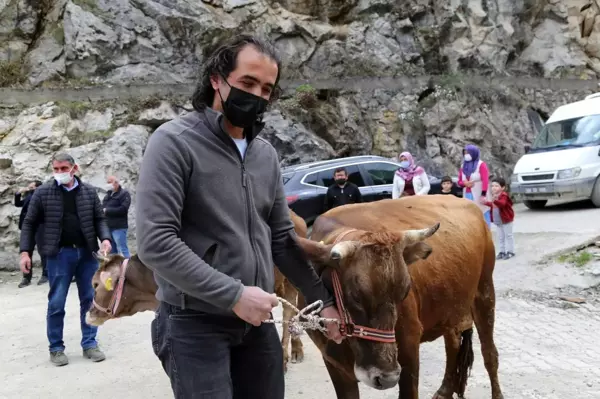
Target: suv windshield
576 132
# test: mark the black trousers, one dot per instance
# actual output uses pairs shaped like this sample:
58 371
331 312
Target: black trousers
217 357
29 275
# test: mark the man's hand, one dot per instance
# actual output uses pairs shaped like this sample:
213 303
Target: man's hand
106 247
25 262
255 305
333 329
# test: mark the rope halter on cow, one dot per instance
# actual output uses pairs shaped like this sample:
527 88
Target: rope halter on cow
115 300
347 326
305 319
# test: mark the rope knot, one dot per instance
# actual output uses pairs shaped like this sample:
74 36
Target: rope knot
306 319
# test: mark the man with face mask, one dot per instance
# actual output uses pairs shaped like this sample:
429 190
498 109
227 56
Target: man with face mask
73 221
116 207
342 192
22 198
211 218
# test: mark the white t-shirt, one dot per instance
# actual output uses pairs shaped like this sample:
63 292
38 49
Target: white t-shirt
242 145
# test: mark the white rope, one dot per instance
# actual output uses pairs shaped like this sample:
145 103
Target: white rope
304 320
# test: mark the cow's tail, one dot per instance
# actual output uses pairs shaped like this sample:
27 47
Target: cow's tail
464 361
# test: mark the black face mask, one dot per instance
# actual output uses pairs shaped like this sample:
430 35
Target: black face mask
242 109
340 181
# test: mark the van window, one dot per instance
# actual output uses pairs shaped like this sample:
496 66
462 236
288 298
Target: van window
576 132
324 178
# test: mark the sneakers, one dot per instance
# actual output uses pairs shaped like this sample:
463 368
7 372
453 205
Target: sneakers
25 282
42 280
94 354
59 358
505 255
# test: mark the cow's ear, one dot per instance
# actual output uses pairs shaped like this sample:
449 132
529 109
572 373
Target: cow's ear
317 252
414 252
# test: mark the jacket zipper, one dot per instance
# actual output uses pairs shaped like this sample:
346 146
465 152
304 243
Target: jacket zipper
248 202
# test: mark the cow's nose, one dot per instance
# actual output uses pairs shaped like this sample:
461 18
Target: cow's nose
386 380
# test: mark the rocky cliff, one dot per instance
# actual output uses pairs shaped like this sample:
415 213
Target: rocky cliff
76 43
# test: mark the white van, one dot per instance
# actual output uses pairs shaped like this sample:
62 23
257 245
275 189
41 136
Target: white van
564 161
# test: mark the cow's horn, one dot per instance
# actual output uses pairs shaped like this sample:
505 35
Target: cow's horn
342 250
413 236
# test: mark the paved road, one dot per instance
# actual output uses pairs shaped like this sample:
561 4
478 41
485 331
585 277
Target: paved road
546 350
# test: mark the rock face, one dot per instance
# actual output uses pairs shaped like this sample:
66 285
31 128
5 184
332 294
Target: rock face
121 41
115 42
30 138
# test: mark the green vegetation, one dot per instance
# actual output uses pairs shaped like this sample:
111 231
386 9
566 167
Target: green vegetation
306 95
137 105
76 109
11 73
81 138
578 259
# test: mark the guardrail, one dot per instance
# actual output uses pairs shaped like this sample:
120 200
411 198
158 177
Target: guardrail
10 96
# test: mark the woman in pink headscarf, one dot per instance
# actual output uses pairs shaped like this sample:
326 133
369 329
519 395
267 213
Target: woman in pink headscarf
409 179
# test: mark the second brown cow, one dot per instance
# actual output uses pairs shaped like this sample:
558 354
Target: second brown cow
138 294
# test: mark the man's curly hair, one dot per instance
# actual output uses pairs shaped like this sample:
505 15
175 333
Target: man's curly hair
223 61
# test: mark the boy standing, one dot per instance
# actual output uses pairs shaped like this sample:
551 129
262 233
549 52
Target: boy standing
502 216
447 185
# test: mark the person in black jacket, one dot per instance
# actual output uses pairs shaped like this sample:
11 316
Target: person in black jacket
116 206
342 192
73 221
22 198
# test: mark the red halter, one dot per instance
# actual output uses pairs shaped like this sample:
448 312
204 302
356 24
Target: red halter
347 327
117 294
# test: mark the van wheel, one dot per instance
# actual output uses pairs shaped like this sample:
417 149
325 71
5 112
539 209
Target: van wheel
534 205
596 193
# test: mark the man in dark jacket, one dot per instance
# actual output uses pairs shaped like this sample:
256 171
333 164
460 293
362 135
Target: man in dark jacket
22 198
116 206
211 219
342 192
73 221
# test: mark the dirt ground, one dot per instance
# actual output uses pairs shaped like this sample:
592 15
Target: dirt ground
548 347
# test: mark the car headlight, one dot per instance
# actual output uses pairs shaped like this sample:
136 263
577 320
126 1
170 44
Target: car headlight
569 173
514 178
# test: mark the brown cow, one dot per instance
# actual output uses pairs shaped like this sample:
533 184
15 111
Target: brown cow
392 280
140 289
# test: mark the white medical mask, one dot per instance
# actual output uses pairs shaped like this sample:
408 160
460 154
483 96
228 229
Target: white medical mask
468 157
108 187
404 164
63 178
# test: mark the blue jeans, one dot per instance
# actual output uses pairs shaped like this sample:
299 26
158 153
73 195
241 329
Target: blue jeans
69 262
119 238
486 214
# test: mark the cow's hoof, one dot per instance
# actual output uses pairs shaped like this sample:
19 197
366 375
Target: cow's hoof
297 356
441 394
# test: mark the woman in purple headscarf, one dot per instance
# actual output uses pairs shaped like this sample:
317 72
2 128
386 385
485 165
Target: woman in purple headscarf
473 177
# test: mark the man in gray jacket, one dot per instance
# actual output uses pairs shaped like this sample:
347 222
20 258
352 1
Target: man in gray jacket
211 219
